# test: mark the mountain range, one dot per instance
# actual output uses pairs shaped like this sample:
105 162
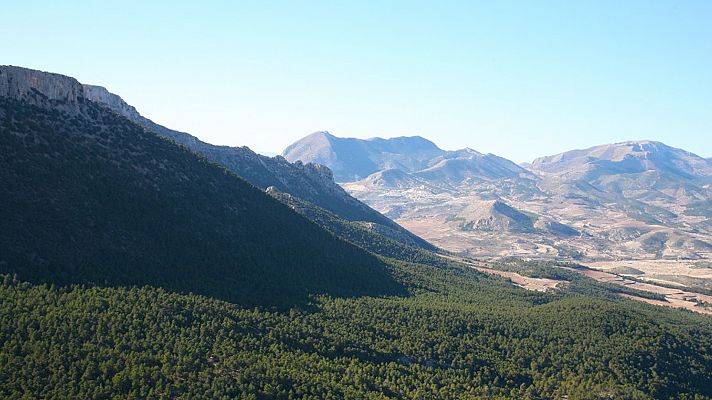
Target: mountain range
139 262
636 199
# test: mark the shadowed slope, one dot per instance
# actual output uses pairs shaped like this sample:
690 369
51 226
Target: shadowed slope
90 197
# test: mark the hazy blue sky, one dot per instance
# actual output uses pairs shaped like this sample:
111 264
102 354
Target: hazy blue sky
518 79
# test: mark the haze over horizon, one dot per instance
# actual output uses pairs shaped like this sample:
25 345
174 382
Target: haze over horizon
514 79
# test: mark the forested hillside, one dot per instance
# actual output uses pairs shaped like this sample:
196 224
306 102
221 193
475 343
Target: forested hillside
456 336
90 197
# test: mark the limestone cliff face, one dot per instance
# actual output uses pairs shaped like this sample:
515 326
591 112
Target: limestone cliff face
33 86
99 94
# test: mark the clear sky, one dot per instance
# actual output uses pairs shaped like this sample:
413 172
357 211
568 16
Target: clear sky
519 79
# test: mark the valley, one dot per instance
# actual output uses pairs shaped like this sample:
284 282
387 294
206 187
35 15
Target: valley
697 298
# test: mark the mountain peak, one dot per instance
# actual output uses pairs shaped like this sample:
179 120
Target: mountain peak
321 135
635 156
353 159
414 140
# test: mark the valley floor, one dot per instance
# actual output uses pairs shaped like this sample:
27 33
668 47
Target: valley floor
694 295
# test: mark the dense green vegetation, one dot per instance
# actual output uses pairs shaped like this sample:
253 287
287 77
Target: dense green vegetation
456 337
134 269
90 197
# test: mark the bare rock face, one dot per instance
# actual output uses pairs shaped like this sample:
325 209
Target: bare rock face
33 86
99 94
318 172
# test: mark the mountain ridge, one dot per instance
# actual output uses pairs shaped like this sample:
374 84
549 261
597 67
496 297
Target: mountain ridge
628 156
91 197
309 181
583 200
353 159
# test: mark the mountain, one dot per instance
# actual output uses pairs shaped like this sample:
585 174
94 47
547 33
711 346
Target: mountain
641 170
132 267
605 202
454 167
645 178
633 157
309 181
91 197
354 159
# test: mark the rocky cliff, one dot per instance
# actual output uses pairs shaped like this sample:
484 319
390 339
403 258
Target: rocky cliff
101 95
32 86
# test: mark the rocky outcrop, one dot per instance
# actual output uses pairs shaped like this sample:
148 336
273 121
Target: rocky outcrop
101 95
37 86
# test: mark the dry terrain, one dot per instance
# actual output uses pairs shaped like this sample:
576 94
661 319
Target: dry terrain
674 297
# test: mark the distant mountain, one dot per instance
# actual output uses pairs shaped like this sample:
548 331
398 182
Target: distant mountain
633 157
309 181
354 159
599 203
646 171
393 178
91 197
